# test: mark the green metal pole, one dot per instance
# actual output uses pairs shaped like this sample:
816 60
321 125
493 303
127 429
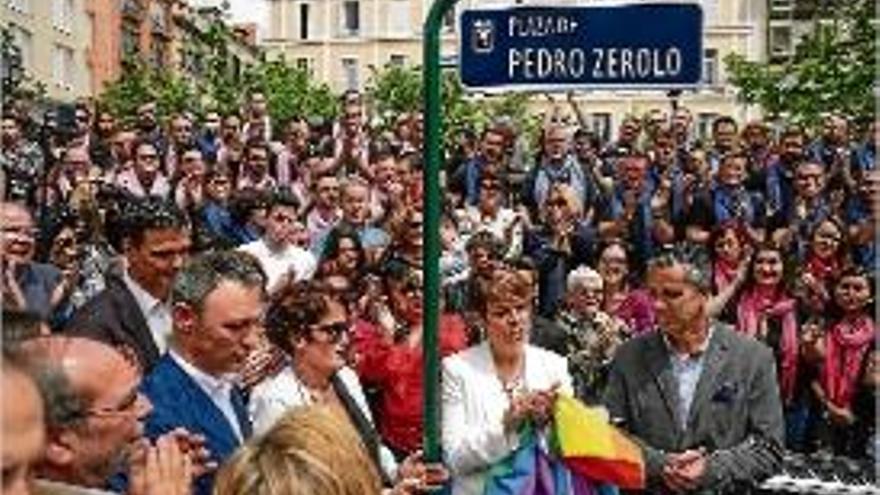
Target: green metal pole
433 157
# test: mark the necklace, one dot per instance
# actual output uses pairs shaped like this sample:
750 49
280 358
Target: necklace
312 395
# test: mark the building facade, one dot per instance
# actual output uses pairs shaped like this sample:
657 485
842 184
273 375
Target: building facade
103 56
76 47
340 41
52 37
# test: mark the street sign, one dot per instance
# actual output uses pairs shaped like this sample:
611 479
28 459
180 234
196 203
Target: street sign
627 46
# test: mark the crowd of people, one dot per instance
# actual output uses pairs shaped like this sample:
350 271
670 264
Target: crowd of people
225 303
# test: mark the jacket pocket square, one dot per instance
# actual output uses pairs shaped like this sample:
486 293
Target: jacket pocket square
726 393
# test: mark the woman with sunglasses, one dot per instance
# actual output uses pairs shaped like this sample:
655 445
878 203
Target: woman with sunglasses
311 326
308 322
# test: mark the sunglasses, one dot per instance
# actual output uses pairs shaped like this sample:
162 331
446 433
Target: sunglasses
334 330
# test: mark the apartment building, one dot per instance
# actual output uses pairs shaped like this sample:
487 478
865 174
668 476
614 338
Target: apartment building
52 37
339 41
76 47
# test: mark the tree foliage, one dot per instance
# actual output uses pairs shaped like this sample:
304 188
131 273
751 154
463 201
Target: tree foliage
396 89
140 84
833 69
216 83
291 92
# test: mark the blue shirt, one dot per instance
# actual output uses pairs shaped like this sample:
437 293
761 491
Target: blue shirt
686 370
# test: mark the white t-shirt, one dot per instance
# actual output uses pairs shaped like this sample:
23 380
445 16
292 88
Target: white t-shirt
276 264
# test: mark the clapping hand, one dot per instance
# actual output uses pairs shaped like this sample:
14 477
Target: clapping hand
415 476
11 294
533 405
161 469
684 471
193 446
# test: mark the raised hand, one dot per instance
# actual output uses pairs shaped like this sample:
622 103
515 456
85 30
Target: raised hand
162 469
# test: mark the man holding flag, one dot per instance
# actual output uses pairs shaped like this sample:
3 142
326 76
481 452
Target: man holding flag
701 400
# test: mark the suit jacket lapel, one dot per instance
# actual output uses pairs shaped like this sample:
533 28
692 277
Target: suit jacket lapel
205 412
135 323
712 365
660 369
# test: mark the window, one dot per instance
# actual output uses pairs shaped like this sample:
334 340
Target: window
129 42
305 64
158 52
710 67
398 18
62 15
781 6
158 21
131 8
20 6
351 17
24 40
304 21
449 21
62 66
600 124
780 40
704 126
397 59
350 73
710 11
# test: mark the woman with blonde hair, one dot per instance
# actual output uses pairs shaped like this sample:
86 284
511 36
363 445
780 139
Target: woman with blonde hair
312 449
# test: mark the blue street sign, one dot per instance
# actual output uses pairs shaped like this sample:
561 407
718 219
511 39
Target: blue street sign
627 46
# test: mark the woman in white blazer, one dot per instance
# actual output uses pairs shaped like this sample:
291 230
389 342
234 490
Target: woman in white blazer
490 389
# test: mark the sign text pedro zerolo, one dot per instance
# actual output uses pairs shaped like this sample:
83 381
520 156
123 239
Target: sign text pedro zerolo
644 45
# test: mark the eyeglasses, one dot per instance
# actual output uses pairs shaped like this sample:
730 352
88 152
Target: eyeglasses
21 230
125 406
334 330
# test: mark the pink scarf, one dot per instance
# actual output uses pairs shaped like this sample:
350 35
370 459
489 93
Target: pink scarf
823 269
774 303
723 274
845 347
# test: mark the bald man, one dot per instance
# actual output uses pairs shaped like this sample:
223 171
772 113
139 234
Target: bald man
23 428
94 418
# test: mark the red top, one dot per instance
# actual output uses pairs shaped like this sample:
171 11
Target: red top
396 369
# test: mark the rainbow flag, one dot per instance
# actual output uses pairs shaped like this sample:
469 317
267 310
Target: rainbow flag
533 470
592 448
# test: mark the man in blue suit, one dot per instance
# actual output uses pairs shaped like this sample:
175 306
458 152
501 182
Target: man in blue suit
218 304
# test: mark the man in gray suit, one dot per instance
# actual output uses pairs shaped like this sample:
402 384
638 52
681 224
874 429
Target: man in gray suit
700 399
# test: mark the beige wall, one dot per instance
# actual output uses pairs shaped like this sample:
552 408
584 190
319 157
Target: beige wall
731 26
66 77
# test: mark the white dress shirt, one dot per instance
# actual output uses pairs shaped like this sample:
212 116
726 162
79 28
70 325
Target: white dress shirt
218 389
157 313
277 263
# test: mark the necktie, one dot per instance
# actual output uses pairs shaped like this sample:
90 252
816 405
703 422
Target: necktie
238 404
